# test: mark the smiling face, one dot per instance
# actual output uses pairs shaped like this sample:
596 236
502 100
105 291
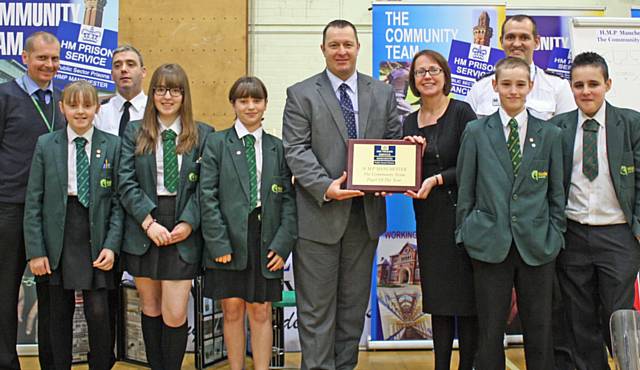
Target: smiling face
79 112
512 85
589 88
250 111
43 61
432 83
128 74
167 105
340 50
518 39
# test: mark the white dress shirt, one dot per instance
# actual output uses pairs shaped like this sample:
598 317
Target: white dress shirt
72 183
593 202
176 126
242 132
550 95
108 117
522 118
352 91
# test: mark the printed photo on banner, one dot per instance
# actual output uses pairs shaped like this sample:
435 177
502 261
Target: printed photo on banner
87 30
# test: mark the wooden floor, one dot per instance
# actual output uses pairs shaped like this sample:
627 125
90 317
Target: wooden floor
371 360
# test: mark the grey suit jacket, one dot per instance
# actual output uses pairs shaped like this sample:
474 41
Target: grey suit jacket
315 142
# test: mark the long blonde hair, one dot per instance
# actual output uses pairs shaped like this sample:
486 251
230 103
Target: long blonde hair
170 76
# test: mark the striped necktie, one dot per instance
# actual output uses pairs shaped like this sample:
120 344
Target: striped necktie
82 171
250 153
170 160
347 111
590 149
513 144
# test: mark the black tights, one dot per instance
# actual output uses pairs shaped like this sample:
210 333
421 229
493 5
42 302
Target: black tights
444 330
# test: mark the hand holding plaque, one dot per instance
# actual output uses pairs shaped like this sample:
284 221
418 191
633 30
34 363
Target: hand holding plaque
392 166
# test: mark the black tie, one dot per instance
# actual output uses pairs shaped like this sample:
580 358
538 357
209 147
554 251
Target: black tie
41 94
125 117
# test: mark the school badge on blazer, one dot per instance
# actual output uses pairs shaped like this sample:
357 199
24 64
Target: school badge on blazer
539 175
193 177
275 188
626 170
105 181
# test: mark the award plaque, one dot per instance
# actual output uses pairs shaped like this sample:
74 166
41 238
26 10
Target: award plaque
391 166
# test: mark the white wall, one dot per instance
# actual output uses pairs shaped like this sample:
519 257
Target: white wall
285 37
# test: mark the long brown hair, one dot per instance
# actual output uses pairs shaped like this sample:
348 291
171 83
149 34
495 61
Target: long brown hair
169 76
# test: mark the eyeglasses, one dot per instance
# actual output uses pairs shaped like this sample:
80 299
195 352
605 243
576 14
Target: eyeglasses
161 91
434 71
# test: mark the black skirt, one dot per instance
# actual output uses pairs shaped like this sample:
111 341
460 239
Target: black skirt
248 284
161 263
75 270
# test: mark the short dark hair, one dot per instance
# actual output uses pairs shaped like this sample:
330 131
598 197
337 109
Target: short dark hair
126 47
512 63
520 18
247 87
338 23
439 59
47 37
590 58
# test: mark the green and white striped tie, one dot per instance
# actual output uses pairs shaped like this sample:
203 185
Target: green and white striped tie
82 171
513 144
250 152
170 160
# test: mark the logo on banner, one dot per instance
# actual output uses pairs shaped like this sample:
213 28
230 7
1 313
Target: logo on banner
384 154
479 52
90 35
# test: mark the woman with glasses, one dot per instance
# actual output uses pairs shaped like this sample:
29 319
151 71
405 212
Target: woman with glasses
445 269
162 247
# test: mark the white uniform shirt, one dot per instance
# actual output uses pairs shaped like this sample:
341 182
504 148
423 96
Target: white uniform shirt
242 131
551 95
593 202
176 126
108 117
72 183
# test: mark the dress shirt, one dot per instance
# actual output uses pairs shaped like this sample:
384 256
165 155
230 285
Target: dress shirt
108 117
550 95
72 184
30 86
176 126
522 120
352 91
242 131
593 202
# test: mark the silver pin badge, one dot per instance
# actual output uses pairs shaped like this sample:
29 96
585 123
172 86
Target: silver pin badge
97 155
531 139
533 145
238 152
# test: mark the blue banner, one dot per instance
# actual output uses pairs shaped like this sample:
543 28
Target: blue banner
469 63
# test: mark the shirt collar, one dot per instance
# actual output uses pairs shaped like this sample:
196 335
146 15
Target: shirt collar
176 126
72 135
600 116
31 86
521 117
138 102
242 131
352 81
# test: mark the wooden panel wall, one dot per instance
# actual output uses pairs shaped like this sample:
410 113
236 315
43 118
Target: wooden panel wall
208 38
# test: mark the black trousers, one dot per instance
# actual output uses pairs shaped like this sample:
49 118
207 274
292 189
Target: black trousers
493 285
597 271
12 264
96 312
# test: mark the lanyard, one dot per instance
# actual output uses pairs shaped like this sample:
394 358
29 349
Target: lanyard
51 125
44 118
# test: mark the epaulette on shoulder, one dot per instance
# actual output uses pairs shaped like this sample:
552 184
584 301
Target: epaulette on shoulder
105 99
486 75
554 74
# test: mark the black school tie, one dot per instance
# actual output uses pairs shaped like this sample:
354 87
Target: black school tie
125 117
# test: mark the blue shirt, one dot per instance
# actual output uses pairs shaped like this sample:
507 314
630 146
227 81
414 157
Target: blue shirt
31 87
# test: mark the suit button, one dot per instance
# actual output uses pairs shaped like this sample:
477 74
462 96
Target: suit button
515 196
514 219
437 155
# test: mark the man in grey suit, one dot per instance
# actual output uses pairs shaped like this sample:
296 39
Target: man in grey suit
338 228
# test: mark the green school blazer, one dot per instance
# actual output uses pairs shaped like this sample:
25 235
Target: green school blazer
224 195
623 149
137 189
46 201
496 208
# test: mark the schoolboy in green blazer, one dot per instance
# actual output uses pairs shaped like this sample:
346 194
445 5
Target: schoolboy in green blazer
510 217
139 202
599 265
225 202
